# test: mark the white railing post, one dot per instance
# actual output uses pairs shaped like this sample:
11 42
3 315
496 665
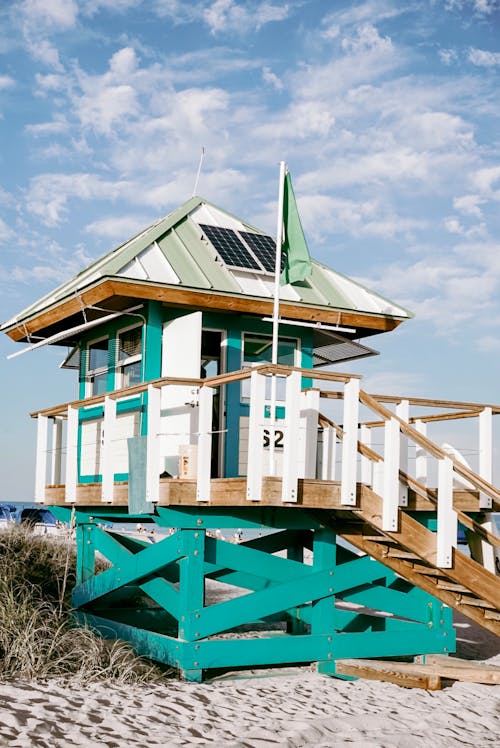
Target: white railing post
328 453
291 464
204 459
403 412
421 455
255 465
71 480
447 523
107 462
350 443
153 444
309 412
486 454
390 497
42 434
56 461
365 437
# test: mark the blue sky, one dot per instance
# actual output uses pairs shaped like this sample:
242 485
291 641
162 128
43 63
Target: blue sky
387 114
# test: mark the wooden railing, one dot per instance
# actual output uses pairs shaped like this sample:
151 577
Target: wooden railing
303 454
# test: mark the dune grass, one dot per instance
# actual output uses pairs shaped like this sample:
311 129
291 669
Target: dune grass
38 637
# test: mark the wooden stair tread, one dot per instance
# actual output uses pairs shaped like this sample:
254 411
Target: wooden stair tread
428 571
400 553
492 615
380 539
475 602
452 586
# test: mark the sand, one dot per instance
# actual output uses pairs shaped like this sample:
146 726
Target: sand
289 707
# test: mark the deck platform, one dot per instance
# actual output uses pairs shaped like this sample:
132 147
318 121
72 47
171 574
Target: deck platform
312 494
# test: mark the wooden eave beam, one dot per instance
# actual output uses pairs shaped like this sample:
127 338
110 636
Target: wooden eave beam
185 297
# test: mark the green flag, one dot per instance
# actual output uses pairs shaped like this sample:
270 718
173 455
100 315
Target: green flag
294 247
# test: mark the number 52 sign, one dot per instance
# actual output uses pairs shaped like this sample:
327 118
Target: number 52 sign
278 438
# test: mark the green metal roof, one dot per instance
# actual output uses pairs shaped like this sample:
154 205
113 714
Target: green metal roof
174 251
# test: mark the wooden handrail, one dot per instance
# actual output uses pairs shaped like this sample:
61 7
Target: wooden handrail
216 381
480 483
412 483
450 416
436 403
421 401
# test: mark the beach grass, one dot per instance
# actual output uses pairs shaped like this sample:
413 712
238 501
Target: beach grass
38 636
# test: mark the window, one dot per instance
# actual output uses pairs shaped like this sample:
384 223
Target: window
257 349
129 357
97 366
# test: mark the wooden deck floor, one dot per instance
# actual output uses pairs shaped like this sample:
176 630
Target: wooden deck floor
312 494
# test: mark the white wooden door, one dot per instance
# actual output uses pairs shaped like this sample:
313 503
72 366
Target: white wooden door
181 357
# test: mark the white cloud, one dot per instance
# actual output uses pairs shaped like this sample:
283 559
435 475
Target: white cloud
58 126
228 15
448 56
48 194
6 82
42 18
50 14
479 7
45 52
51 82
323 215
367 38
469 205
437 130
454 226
482 58
269 77
485 7
485 179
118 227
6 233
449 291
111 99
372 11
90 7
367 55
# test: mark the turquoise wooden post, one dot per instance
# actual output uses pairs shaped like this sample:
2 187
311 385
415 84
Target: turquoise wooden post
191 595
323 611
85 554
294 625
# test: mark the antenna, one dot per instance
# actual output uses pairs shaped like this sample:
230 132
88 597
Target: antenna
199 170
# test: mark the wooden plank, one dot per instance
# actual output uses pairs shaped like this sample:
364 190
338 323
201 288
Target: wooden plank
466 671
427 666
104 289
391 672
312 493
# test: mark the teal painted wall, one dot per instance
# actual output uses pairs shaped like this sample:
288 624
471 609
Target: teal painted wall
233 325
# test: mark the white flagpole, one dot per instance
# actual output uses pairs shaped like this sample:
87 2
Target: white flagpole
277 266
276 312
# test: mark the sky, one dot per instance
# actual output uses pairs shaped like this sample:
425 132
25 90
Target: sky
386 113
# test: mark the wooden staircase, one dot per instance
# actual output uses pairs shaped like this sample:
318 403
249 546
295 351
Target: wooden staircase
411 553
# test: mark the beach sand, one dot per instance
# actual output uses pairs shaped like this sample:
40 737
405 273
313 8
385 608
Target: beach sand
287 707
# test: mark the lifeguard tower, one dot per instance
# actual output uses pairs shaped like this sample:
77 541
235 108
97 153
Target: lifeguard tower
349 510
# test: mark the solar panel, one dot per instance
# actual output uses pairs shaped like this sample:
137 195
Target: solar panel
264 248
230 247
